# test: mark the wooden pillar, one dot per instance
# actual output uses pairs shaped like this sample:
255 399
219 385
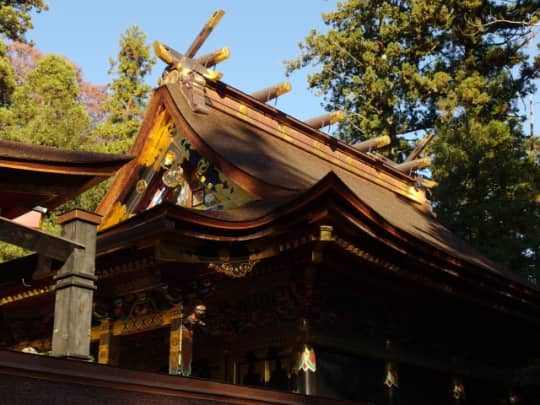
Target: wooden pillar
175 340
107 353
227 367
304 356
74 289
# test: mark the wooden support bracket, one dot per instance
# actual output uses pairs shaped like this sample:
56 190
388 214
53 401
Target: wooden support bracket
47 245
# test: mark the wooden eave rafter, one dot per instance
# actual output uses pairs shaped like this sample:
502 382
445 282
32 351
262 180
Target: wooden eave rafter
327 203
495 294
93 169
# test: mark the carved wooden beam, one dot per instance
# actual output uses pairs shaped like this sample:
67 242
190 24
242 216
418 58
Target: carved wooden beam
213 58
272 92
406 167
47 245
326 119
419 148
205 33
374 143
179 64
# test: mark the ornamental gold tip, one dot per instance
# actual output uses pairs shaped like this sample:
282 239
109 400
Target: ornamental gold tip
336 117
213 58
383 141
283 87
212 75
429 183
222 54
161 52
215 18
424 162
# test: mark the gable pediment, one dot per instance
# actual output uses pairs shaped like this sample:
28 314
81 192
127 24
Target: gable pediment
168 168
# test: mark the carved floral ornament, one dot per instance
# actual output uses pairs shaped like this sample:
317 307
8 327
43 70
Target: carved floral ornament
234 270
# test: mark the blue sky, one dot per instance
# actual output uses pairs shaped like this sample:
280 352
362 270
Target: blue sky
260 35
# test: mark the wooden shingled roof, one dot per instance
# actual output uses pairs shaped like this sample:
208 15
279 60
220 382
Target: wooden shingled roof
280 161
293 173
32 175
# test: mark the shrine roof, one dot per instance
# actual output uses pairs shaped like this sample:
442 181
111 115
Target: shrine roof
277 149
34 155
32 175
294 171
282 163
370 204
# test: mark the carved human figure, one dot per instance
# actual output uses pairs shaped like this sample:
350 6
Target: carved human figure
195 319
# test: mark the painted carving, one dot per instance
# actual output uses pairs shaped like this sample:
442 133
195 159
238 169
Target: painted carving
458 389
235 270
391 378
189 325
306 360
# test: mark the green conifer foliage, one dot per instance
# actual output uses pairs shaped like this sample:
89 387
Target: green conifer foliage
7 86
129 93
457 68
15 18
46 108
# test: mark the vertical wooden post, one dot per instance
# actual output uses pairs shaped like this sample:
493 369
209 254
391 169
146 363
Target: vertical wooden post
235 372
305 366
75 285
105 342
175 340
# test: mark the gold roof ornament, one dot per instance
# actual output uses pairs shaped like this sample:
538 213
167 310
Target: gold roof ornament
213 58
272 92
214 20
374 143
326 119
411 165
181 65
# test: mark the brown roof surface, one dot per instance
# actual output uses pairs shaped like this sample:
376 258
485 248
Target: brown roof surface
252 150
37 154
285 166
281 173
33 175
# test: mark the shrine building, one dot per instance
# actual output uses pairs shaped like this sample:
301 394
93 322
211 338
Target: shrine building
245 248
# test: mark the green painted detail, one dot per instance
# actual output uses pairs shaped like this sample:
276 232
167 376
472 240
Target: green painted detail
307 360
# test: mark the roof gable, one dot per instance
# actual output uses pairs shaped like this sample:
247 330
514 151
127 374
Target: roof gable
169 169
